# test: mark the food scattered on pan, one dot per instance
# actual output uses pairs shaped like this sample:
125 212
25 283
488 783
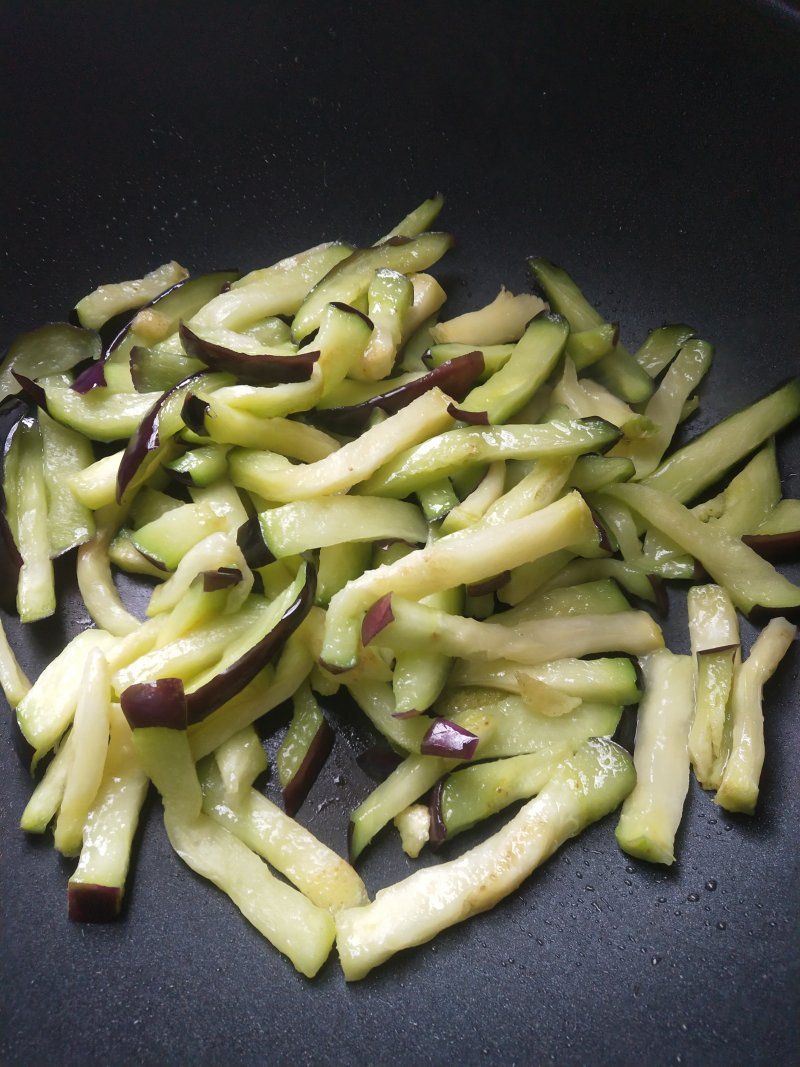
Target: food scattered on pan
462 525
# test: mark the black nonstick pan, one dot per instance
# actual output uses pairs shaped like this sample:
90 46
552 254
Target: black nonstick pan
653 149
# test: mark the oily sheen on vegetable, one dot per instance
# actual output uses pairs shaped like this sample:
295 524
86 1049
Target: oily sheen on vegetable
459 525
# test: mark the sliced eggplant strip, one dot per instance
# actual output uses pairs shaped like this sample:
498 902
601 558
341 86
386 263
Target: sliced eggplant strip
285 437
468 556
626 575
588 399
97 886
661 346
389 299
284 916
316 870
531 641
534 358
710 735
167 539
417 221
604 680
304 749
542 485
453 377
518 729
146 447
13 680
338 565
617 370
585 347
583 789
472 794
216 551
240 665
419 677
200 466
592 473
449 451
239 761
696 466
599 597
501 321
356 461
294 528
664 407
475 505
65 454
260 367
36 594
270 688
170 652
94 310
154 324
750 580
51 349
494 356
46 798
652 813
409 781
89 746
99 415
268 291
47 710
738 789
350 278
95 580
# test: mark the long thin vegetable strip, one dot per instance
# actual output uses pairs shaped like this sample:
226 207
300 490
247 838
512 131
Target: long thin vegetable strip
583 789
738 789
323 876
470 556
284 916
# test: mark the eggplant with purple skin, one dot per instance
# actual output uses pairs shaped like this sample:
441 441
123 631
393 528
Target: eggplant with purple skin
51 349
151 321
145 448
263 368
259 646
304 749
454 377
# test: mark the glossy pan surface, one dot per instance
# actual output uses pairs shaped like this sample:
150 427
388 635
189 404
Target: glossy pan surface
653 149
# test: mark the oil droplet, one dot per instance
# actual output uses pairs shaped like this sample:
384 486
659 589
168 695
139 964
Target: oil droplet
722 926
662 900
711 885
693 897
655 960
579 874
627 881
630 870
588 889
